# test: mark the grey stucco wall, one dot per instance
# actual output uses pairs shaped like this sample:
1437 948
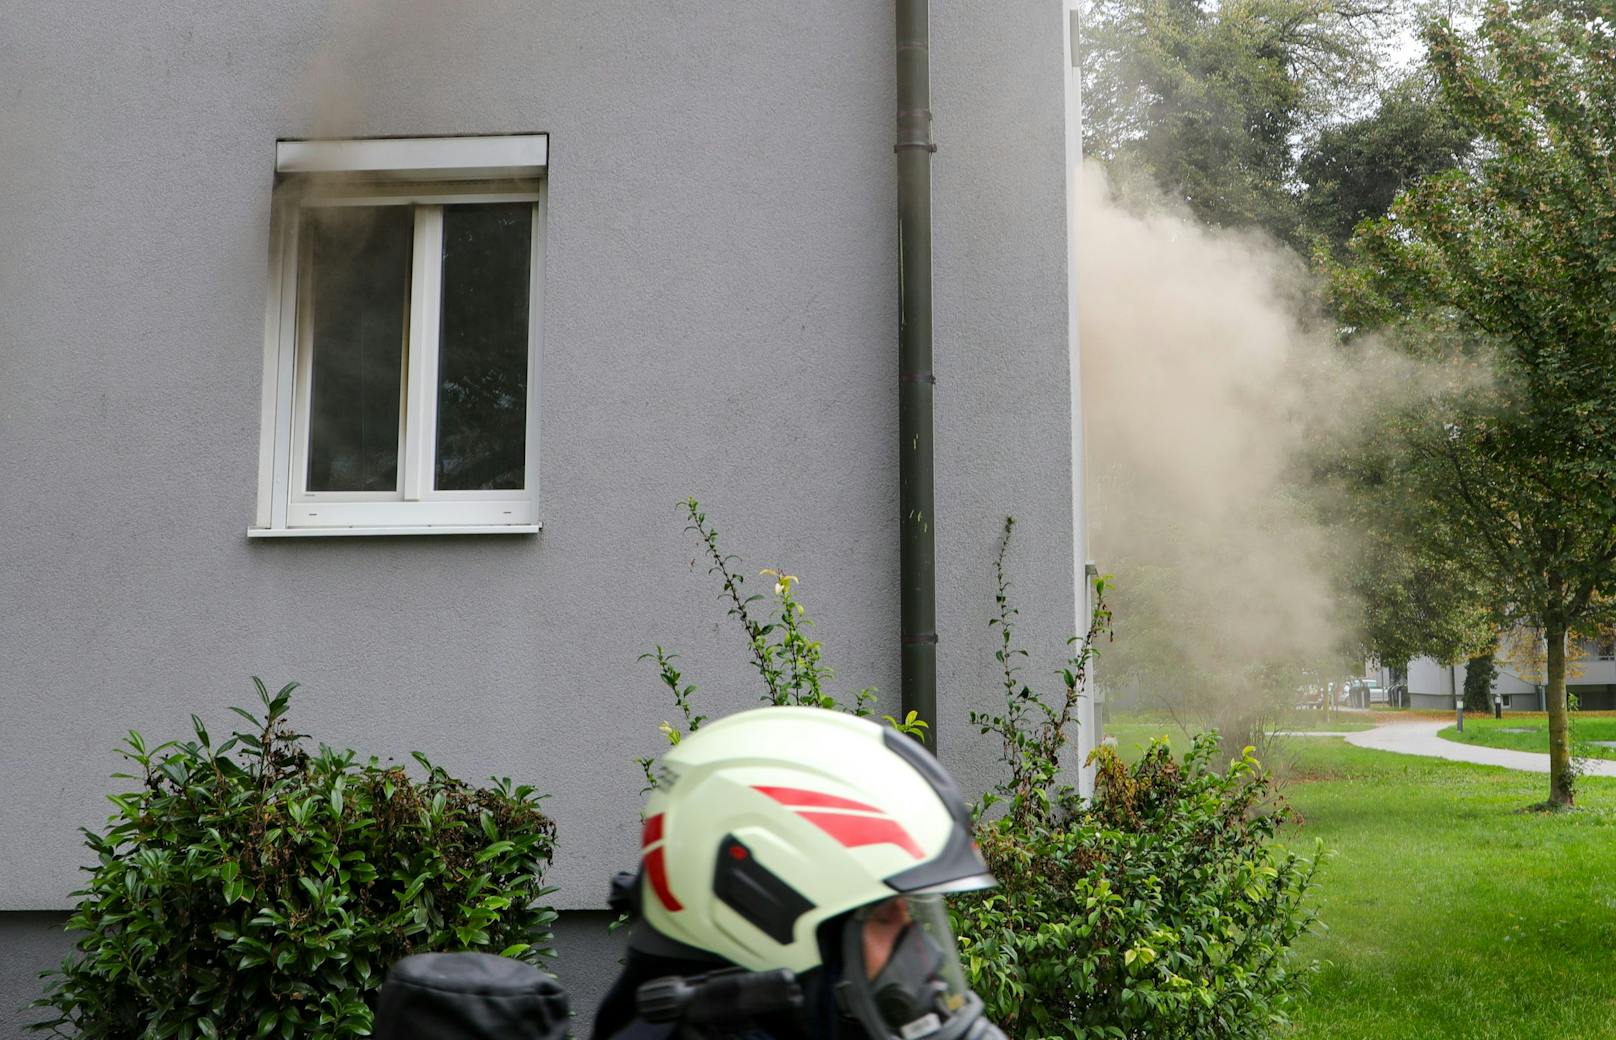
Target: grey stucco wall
588 959
1004 432
30 942
720 321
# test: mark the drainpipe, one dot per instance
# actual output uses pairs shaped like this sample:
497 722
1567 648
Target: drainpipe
916 498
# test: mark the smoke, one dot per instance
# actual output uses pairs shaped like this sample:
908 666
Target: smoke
1210 386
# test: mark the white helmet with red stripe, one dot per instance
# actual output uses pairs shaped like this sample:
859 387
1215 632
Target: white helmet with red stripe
766 824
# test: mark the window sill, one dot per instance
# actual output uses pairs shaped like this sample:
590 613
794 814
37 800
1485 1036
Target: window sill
350 532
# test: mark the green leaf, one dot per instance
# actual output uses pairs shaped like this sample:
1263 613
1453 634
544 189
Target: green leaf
498 848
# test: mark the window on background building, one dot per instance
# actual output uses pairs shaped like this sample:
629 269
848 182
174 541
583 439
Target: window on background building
402 337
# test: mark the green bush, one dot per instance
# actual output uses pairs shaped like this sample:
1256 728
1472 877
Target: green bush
1160 907
266 892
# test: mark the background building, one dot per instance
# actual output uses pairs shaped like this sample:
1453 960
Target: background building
1590 677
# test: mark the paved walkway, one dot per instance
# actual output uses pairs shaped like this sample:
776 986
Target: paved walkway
1420 738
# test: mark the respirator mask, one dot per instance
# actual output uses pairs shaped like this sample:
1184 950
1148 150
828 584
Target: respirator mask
901 975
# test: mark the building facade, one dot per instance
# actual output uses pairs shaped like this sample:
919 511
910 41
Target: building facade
1519 683
694 263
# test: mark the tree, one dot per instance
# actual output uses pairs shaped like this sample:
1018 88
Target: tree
1417 593
1418 603
1355 170
1208 99
1514 257
1480 671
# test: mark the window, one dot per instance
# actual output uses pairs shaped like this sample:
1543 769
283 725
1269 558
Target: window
402 336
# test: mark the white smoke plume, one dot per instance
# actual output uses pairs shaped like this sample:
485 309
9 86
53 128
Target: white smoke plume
1207 380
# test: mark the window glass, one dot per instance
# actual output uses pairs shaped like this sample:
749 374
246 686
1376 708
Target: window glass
359 301
483 347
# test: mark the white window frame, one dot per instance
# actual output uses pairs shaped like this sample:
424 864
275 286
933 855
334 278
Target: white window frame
426 174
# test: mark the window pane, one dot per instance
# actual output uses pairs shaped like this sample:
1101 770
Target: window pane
483 347
359 295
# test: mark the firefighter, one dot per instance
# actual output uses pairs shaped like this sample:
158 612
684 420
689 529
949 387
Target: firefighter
791 882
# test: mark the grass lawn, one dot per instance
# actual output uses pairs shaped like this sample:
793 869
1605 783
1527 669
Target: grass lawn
1135 729
1591 725
1335 722
1447 913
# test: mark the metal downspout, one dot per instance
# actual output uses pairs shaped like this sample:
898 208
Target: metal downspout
916 498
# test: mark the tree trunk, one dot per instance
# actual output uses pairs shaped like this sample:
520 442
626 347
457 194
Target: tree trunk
1561 782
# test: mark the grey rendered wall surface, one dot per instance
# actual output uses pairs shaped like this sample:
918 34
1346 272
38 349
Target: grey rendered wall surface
30 942
1428 678
1005 380
720 309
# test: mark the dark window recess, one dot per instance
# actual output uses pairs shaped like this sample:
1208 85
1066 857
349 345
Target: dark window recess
358 299
483 347
760 896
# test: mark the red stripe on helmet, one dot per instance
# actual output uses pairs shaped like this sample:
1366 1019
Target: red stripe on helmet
818 799
656 871
855 831
651 831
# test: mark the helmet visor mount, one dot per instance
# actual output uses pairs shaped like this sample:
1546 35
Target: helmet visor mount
901 971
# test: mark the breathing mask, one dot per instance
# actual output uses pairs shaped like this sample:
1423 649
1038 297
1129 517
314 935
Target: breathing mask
901 975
